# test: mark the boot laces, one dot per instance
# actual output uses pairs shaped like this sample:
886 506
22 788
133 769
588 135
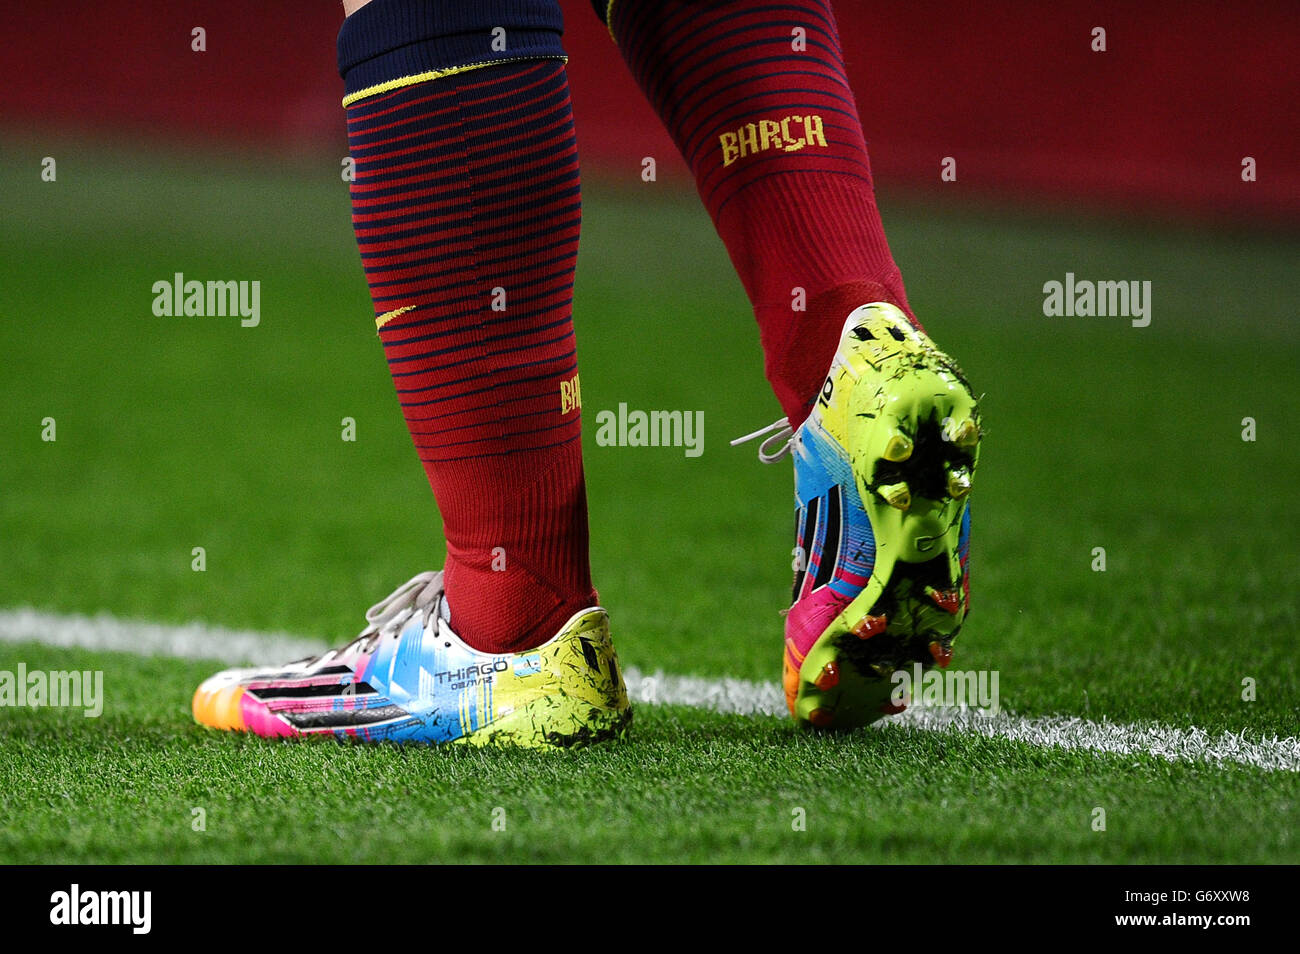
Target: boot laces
778 431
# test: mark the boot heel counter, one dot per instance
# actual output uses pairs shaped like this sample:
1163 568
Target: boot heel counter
593 648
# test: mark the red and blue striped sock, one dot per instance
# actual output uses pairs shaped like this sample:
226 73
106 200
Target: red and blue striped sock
466 206
756 99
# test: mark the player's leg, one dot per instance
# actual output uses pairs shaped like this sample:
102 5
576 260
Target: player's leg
466 207
885 427
755 97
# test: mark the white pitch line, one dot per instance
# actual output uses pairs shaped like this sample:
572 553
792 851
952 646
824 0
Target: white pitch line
726 695
1056 731
190 641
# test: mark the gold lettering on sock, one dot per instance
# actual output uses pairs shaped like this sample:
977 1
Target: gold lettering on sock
788 134
748 135
813 130
729 148
570 395
769 135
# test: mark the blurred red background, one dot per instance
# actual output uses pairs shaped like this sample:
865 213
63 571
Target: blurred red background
1013 91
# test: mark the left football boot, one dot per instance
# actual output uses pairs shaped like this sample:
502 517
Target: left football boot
409 678
883 466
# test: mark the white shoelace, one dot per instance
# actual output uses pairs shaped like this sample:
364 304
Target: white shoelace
421 593
779 430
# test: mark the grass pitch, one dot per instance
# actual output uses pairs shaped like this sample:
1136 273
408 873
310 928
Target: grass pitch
174 433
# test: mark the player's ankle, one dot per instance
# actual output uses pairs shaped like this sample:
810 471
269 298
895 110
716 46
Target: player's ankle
509 609
796 368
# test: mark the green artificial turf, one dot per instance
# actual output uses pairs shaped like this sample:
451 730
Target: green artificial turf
687 786
174 433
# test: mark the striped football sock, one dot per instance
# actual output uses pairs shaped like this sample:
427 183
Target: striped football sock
466 206
755 97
